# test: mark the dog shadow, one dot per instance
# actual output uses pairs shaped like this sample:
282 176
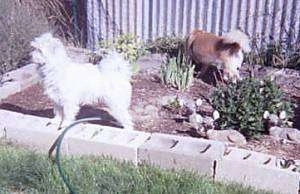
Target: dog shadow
211 76
86 111
296 118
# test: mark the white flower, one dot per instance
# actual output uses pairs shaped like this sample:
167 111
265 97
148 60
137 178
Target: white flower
261 90
282 115
216 115
199 102
266 114
261 82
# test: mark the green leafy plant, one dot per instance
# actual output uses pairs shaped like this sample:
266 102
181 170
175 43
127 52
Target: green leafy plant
127 44
178 72
279 54
18 26
171 45
241 105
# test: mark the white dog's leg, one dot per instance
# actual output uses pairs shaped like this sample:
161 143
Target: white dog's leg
70 111
125 119
58 113
120 112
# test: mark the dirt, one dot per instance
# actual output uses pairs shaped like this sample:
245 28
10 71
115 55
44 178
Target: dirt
148 110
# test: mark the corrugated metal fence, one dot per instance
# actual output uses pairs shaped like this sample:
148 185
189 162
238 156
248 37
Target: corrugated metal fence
148 19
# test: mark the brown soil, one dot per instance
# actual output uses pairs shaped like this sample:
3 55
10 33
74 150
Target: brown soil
147 110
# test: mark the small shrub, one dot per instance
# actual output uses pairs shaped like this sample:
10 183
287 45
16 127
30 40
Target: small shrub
171 45
128 45
18 26
177 72
278 54
241 105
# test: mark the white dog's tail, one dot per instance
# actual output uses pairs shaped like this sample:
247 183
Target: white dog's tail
238 37
115 65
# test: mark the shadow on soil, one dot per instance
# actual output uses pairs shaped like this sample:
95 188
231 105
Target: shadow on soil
85 112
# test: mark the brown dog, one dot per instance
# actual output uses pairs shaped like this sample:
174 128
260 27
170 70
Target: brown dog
207 49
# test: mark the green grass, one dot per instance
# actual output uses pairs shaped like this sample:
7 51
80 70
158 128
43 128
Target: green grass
28 172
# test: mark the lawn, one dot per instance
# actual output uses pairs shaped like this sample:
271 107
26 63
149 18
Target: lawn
29 172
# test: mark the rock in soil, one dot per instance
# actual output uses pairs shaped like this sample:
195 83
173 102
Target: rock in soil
291 134
231 136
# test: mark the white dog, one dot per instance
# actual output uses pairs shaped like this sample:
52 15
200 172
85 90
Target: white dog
205 48
70 84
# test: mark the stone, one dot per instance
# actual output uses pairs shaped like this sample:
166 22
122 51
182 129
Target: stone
291 134
29 131
9 88
17 80
146 113
108 141
231 136
167 100
83 139
256 170
273 119
177 152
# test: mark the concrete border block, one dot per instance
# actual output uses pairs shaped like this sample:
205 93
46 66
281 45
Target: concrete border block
17 80
211 158
8 89
257 170
91 139
176 152
29 131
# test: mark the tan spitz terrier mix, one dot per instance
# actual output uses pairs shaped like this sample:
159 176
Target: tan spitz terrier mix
207 49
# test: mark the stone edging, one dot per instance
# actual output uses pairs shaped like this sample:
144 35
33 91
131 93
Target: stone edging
206 157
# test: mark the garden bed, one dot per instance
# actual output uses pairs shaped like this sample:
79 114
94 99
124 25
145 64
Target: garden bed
148 112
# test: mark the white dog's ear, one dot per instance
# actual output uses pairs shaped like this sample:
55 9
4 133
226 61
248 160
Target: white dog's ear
41 40
46 36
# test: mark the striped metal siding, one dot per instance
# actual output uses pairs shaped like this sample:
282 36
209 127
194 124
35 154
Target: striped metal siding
148 19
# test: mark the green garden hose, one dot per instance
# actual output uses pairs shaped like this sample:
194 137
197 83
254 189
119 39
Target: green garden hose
57 155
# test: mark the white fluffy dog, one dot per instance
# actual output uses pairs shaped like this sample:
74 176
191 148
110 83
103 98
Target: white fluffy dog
70 84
